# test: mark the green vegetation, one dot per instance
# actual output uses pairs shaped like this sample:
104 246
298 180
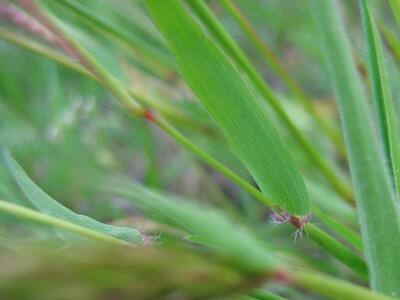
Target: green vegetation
221 149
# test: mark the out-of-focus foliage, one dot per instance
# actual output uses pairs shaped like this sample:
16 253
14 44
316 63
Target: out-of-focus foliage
71 137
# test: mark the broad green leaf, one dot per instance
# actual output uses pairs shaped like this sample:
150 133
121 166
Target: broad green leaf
207 226
231 102
377 206
45 204
383 101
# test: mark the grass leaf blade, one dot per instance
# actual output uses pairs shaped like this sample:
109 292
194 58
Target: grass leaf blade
229 99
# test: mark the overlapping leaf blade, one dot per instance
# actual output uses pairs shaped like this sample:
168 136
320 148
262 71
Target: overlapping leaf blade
383 101
378 209
227 96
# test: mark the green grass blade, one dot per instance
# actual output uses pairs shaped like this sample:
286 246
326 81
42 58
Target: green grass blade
231 102
376 201
32 215
334 177
386 117
208 226
45 204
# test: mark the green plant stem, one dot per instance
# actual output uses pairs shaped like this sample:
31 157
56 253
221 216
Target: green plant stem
333 288
29 214
345 232
278 66
330 172
327 242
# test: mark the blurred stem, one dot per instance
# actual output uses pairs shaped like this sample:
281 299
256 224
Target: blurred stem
334 177
278 66
135 109
333 288
392 41
29 214
156 59
265 295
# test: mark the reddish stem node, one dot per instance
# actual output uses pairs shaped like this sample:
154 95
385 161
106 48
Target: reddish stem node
282 276
149 115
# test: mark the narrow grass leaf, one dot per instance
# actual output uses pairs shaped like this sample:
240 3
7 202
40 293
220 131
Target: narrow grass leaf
45 204
227 96
383 101
378 209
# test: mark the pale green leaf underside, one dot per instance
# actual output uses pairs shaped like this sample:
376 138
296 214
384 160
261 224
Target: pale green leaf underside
229 99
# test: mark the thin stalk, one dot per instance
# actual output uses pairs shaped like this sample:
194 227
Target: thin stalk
288 79
217 165
29 214
323 239
338 250
329 171
345 232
